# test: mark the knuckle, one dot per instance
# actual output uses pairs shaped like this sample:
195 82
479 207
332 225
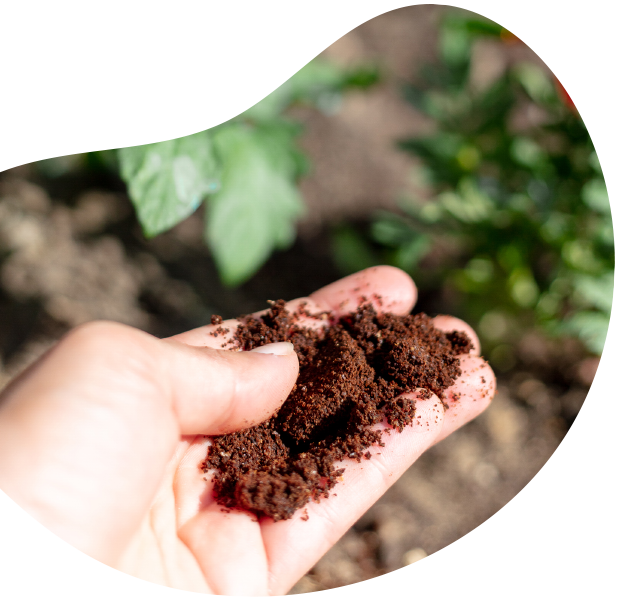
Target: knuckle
110 344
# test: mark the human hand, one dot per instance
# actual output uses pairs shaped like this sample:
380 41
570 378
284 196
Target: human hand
102 441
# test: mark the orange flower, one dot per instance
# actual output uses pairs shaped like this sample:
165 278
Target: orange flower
578 33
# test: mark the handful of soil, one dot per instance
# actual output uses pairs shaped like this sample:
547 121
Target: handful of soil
352 373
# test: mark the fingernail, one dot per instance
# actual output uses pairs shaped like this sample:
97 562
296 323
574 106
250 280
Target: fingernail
278 349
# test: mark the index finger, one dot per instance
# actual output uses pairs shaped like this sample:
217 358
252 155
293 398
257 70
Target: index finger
388 288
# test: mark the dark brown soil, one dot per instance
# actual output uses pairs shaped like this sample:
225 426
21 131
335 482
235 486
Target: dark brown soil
352 376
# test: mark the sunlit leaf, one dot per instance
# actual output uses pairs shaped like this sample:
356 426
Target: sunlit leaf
168 180
591 327
597 291
255 210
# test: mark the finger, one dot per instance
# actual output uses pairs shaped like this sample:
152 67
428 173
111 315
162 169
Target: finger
103 389
229 549
290 541
192 490
133 375
218 391
391 283
295 545
388 288
470 395
448 324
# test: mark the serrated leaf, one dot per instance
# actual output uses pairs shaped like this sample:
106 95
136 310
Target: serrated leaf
163 125
168 180
255 209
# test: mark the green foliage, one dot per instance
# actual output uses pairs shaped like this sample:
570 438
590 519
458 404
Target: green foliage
350 249
254 211
193 111
519 228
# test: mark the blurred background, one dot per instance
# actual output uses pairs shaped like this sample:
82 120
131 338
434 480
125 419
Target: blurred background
428 138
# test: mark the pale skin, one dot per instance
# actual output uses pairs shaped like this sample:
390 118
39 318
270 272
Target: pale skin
103 438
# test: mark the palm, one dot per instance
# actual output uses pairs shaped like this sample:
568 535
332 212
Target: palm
106 426
188 542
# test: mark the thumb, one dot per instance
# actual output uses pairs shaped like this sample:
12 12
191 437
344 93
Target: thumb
217 391
132 373
86 434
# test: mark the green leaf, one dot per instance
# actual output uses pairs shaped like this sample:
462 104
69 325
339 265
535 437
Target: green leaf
255 209
390 229
594 194
351 251
590 327
318 81
362 77
599 118
169 166
483 27
454 42
409 254
601 161
163 126
469 204
596 291
527 152
535 81
523 287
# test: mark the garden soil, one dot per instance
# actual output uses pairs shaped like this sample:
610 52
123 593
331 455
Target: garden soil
71 251
354 373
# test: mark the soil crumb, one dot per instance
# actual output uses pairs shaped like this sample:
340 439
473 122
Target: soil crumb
353 370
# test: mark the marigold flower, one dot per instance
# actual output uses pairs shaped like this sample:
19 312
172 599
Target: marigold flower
578 33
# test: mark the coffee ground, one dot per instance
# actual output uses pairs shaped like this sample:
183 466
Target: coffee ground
352 374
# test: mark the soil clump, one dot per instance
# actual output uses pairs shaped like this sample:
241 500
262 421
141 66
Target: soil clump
352 374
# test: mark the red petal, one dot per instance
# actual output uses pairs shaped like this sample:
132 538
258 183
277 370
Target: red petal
580 80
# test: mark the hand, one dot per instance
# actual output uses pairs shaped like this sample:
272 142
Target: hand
102 441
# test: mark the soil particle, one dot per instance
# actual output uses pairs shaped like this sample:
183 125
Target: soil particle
353 372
